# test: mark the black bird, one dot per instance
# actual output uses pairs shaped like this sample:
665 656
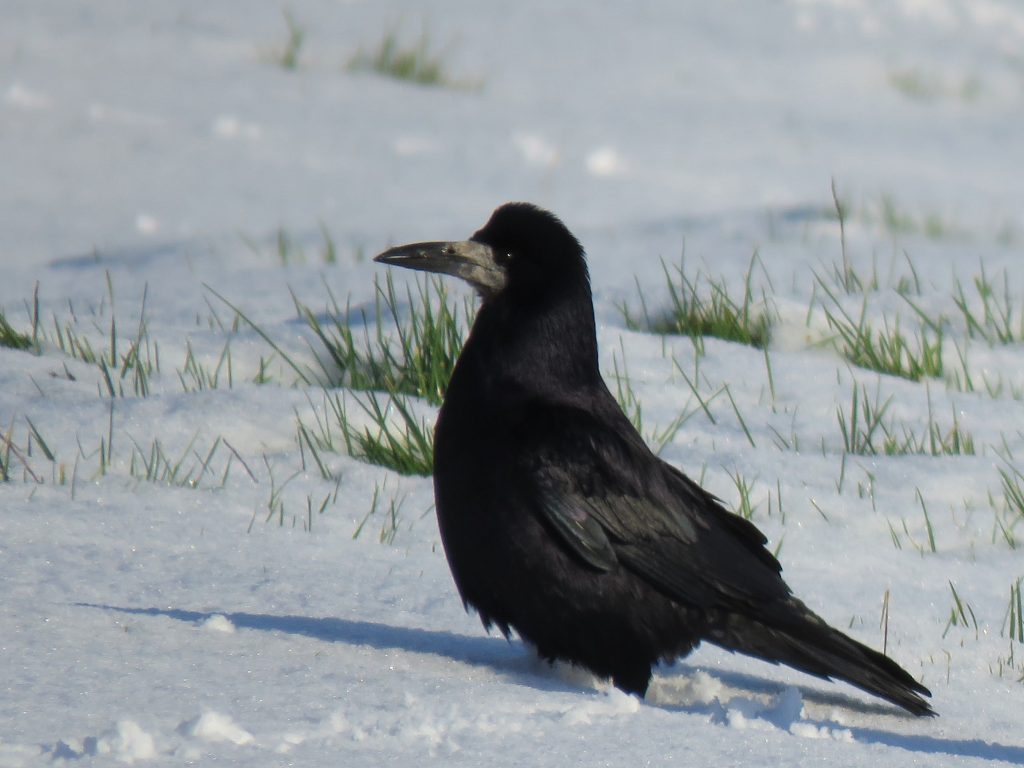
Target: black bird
557 519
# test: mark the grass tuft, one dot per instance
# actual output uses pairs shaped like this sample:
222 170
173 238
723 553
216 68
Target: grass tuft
391 513
418 360
991 314
195 377
155 465
696 311
866 431
121 373
288 250
845 275
863 421
288 56
1010 512
395 439
413 63
406 446
11 338
1013 621
745 508
917 85
961 614
887 350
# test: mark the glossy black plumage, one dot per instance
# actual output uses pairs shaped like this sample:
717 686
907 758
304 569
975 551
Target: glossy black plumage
559 522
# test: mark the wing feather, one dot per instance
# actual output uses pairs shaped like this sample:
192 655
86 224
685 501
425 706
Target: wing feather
611 501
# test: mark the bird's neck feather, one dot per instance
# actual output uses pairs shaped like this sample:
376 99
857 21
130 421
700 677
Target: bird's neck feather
548 345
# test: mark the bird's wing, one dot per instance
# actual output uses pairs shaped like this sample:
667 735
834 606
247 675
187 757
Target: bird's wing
610 500
578 527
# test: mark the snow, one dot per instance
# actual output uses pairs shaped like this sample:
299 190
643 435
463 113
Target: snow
152 154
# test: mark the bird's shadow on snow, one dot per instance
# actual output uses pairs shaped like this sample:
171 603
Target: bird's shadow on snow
984 750
506 658
524 668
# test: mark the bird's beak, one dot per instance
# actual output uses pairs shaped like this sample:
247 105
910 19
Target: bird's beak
472 261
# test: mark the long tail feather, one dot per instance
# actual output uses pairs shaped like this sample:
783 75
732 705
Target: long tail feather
804 641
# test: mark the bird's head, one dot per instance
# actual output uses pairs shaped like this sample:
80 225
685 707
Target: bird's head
522 249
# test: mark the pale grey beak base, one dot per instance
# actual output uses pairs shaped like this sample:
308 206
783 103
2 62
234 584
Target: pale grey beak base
467 259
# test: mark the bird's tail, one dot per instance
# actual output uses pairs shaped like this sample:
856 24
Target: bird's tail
804 641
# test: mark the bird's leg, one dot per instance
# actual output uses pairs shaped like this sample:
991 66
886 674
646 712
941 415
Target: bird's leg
634 679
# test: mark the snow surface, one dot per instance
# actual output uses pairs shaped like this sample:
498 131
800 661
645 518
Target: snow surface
156 150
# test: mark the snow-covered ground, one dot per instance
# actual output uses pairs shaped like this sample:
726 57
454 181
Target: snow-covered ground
180 582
